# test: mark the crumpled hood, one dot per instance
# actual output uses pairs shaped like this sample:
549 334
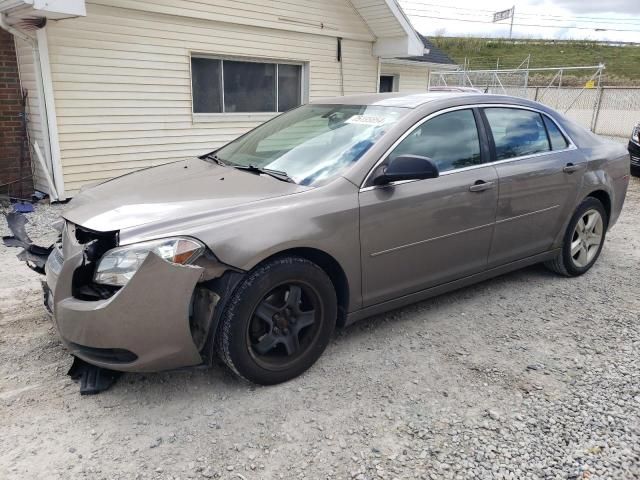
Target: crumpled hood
178 190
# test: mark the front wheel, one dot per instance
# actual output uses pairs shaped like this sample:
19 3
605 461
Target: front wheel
278 321
583 239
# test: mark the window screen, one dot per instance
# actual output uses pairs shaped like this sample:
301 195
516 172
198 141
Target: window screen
206 84
220 85
517 132
450 140
557 139
289 87
249 87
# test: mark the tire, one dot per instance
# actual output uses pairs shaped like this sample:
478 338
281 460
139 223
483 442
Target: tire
573 265
279 301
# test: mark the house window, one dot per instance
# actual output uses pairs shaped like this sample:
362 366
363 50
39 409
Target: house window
232 86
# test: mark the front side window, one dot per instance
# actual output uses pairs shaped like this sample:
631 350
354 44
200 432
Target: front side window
450 140
517 132
231 86
312 143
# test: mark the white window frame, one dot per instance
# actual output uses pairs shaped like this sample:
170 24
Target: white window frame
248 116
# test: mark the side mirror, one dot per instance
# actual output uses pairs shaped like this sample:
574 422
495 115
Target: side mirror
406 167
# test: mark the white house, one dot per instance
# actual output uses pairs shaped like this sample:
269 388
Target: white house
119 85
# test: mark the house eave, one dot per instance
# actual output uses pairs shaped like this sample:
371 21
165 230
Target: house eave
49 9
385 45
415 63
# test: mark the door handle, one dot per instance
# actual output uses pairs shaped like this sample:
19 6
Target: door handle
570 168
481 186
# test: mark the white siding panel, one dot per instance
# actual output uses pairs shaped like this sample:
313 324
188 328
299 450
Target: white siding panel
122 78
326 17
411 79
28 72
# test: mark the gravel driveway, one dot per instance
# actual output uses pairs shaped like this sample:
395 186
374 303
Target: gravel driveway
525 376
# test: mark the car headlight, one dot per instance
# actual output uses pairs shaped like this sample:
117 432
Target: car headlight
636 134
117 266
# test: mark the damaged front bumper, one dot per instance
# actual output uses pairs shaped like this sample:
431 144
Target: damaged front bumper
162 319
142 327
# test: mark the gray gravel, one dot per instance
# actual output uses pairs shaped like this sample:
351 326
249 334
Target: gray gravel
525 376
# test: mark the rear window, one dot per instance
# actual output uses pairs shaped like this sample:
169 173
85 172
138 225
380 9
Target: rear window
517 132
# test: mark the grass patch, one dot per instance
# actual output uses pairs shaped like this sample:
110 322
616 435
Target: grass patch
622 61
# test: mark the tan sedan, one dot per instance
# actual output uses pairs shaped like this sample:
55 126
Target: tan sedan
327 214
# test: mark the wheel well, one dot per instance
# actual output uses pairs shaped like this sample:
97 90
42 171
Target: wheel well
333 269
604 199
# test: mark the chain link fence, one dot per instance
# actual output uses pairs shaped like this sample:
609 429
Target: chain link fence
608 111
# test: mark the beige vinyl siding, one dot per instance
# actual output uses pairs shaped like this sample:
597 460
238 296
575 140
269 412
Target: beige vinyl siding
122 84
410 78
28 72
325 17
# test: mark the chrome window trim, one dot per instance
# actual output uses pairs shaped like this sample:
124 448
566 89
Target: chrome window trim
572 145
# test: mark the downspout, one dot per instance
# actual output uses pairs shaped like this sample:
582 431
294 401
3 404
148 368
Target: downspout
339 58
52 120
47 92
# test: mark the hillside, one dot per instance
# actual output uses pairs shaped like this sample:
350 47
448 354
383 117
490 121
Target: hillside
622 61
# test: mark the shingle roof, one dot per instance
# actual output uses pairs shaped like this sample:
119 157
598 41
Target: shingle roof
435 55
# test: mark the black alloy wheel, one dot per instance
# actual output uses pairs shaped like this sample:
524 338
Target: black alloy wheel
284 324
278 320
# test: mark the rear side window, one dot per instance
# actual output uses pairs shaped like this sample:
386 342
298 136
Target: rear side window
517 132
557 139
450 140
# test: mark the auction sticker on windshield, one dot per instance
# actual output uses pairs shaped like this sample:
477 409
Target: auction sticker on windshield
366 120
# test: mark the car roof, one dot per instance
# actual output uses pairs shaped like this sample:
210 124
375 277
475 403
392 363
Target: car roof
404 100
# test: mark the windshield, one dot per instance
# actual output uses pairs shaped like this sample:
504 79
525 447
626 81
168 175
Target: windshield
312 143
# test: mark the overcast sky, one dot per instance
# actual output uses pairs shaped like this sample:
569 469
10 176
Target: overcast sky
553 16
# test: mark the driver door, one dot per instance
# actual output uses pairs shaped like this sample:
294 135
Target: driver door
419 234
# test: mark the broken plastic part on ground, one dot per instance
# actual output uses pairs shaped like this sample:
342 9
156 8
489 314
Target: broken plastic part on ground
34 255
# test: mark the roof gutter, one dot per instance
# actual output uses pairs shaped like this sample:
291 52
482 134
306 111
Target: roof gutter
418 63
13 31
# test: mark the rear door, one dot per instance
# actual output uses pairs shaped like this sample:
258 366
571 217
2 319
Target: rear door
418 234
539 172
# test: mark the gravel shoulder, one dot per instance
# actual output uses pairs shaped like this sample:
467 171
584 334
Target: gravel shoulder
528 375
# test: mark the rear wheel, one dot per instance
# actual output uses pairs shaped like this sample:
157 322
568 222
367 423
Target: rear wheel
583 239
279 321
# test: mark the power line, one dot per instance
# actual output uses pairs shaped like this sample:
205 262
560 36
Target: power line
417 12
535 15
519 24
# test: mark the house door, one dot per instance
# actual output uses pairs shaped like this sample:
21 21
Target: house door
386 83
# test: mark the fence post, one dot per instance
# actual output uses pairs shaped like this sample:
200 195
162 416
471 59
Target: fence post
596 109
535 96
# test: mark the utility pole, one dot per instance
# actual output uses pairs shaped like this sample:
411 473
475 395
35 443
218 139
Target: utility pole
513 13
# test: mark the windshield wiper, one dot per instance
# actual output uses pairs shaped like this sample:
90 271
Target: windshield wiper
277 174
215 158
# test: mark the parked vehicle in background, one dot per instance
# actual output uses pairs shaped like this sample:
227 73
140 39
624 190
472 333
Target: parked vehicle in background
634 150
325 215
